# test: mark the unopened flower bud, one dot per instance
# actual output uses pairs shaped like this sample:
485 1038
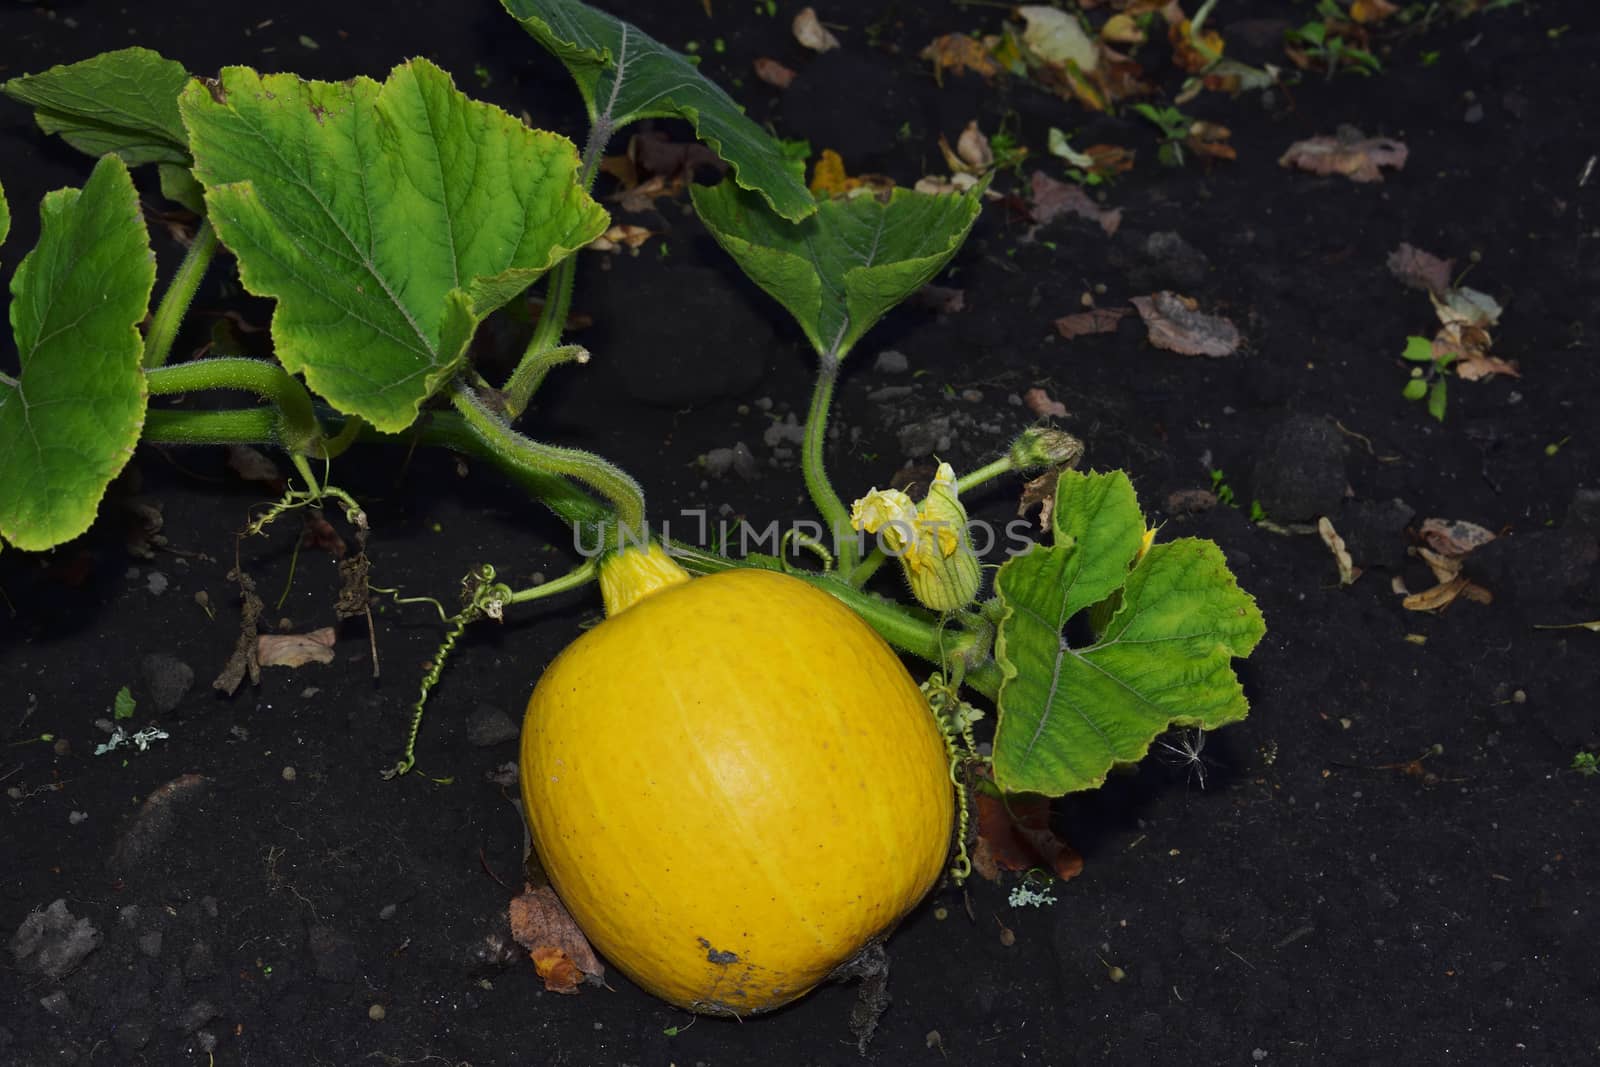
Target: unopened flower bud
1041 447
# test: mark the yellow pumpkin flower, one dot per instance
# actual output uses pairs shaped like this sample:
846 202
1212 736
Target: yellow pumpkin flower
930 540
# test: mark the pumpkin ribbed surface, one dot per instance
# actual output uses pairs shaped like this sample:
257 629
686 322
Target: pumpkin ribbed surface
734 785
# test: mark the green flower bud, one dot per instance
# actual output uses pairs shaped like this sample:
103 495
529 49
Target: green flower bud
1040 447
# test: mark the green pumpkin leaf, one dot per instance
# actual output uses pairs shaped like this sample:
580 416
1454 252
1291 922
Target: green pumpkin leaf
624 75
5 215
1068 714
387 220
124 102
840 270
70 419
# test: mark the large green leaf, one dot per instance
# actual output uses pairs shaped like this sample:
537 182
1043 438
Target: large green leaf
840 270
124 102
5 215
387 220
1164 659
70 419
625 74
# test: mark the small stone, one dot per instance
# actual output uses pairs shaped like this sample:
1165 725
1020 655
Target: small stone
56 1003
1258 1054
53 941
488 726
156 582
387 911
290 774
891 362
376 1013
77 817
785 431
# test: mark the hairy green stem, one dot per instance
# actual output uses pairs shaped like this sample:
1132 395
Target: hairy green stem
514 450
180 293
251 426
827 502
531 372
301 431
986 473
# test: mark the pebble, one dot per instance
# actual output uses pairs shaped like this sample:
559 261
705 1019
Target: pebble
890 361
487 726
290 774
377 1013
157 583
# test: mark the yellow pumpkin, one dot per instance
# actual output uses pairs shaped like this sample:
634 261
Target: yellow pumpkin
735 786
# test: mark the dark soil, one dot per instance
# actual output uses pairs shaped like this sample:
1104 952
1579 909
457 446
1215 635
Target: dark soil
262 896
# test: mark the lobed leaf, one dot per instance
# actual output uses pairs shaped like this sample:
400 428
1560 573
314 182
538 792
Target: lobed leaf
1163 659
387 220
124 102
624 75
840 270
70 419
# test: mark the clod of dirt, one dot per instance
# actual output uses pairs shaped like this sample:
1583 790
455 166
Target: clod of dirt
153 825
488 726
926 437
1374 532
1539 567
871 966
243 660
166 680
1583 513
1300 473
739 460
1050 199
52 942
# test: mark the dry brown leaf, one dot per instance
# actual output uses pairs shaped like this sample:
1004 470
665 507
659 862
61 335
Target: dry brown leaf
958 53
1210 139
940 299
829 178
1421 270
1176 324
1043 405
1084 323
1357 158
295 650
619 236
1474 366
1370 11
774 73
1454 538
1186 53
1443 595
1052 199
561 954
973 148
255 466
811 33
1017 829
1444 568
1348 571
1040 491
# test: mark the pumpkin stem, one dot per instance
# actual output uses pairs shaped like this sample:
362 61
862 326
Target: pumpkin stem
629 575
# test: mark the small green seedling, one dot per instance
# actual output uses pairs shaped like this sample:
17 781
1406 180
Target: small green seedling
1174 126
1324 42
1221 489
124 705
1586 764
1428 381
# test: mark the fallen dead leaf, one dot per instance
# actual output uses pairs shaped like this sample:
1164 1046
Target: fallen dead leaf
829 178
811 33
295 650
1176 324
1017 830
561 954
1421 270
1190 501
1051 199
1193 54
621 235
940 299
1370 11
1349 153
972 147
1443 595
1040 491
1454 538
1043 405
1210 139
1348 571
959 53
774 73
255 466
1085 323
